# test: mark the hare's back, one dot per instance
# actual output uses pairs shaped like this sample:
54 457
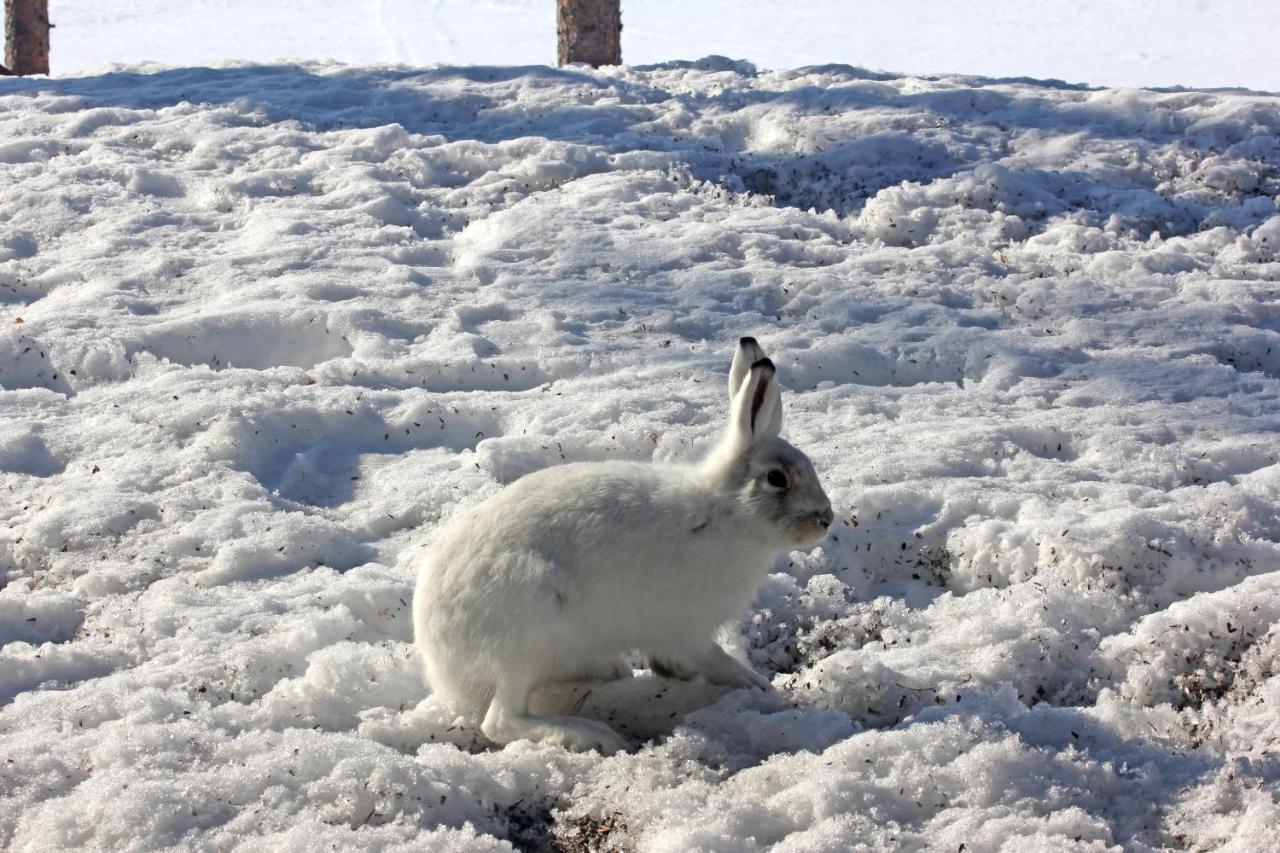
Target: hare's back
613 494
581 506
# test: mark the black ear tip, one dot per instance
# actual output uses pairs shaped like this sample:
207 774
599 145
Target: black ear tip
764 364
747 342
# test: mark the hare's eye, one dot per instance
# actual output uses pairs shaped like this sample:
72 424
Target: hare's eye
777 478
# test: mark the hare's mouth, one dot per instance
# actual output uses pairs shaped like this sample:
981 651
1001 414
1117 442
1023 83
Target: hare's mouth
808 532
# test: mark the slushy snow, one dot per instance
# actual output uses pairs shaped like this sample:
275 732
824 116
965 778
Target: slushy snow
267 328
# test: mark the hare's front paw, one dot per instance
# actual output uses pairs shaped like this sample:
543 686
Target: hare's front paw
737 675
712 664
670 667
610 669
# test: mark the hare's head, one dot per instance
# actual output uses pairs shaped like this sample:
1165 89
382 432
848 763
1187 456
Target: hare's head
771 479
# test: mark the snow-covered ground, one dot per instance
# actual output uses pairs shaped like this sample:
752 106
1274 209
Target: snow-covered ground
1220 43
265 328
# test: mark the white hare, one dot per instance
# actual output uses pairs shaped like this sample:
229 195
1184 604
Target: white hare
563 572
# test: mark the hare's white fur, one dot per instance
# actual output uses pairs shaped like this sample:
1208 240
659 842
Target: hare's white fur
566 570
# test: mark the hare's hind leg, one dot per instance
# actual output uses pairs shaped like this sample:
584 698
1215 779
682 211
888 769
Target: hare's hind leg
508 719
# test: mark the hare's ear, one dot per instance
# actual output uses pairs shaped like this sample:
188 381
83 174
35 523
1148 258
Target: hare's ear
756 410
747 354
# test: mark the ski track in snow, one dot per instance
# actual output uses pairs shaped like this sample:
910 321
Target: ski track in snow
441 30
266 328
391 23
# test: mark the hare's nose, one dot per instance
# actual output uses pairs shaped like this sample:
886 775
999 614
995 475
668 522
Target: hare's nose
826 517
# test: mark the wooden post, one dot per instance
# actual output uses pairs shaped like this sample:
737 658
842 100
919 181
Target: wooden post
589 31
26 36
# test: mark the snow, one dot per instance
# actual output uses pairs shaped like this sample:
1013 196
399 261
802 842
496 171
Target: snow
1225 43
267 327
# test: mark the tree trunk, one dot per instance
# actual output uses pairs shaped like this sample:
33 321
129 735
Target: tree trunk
589 31
27 36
